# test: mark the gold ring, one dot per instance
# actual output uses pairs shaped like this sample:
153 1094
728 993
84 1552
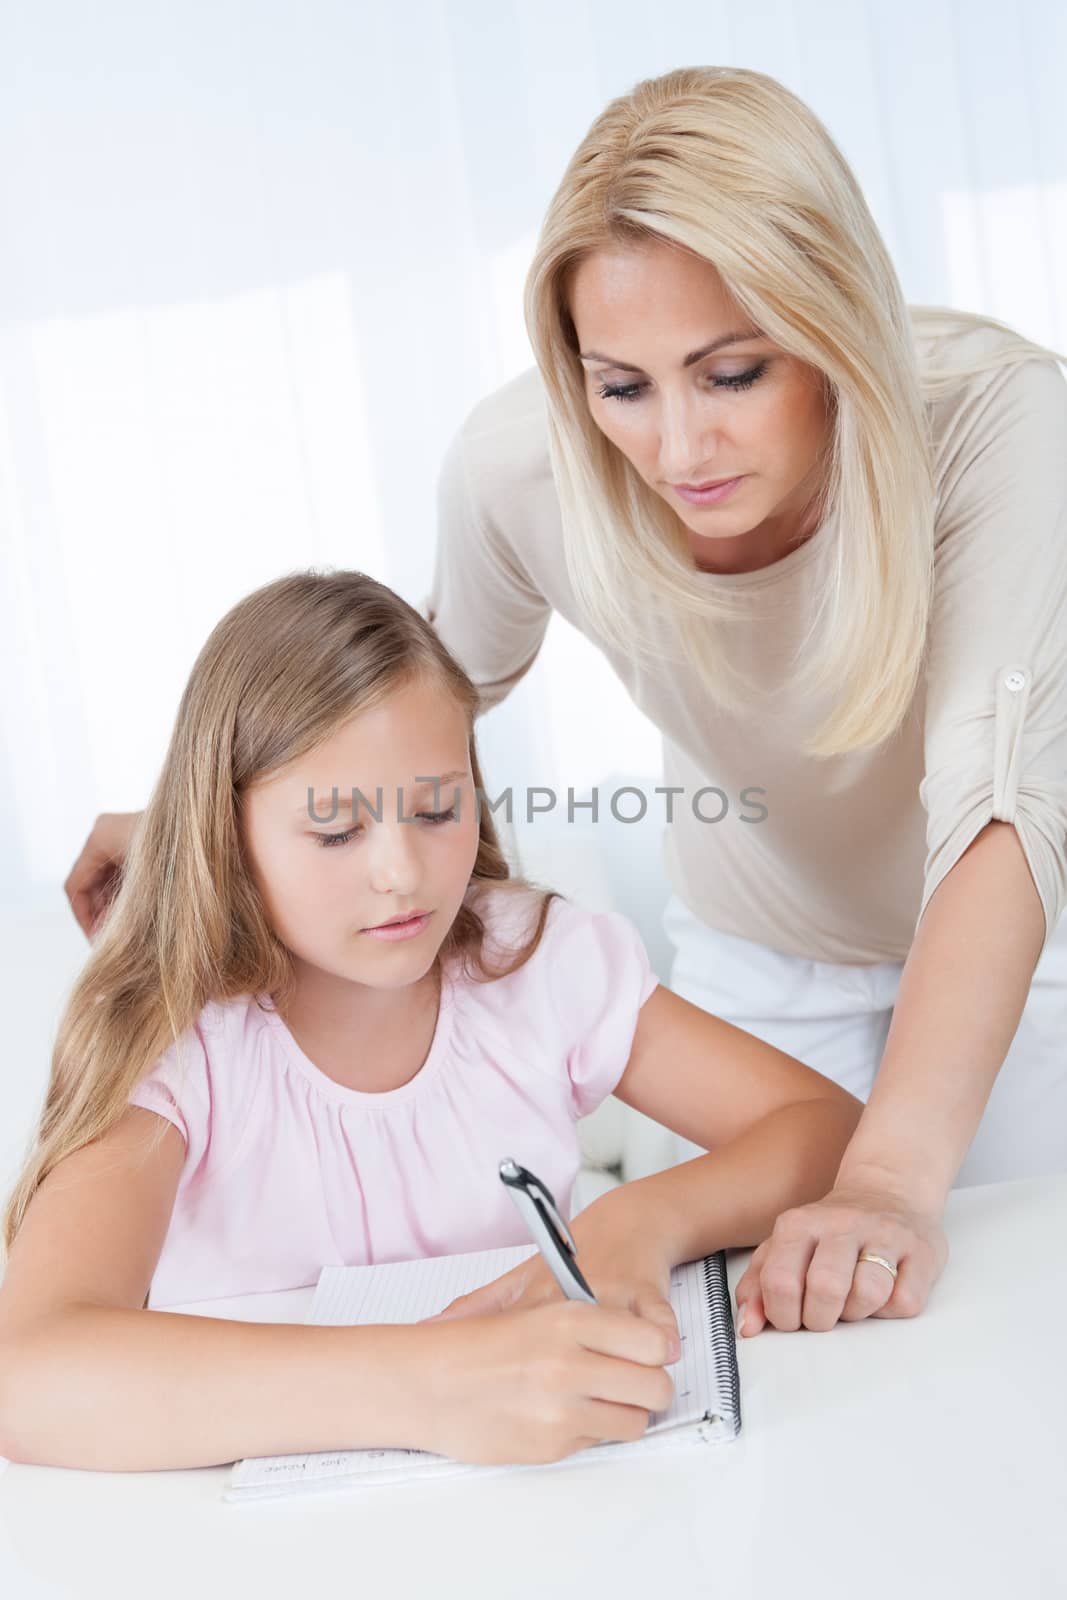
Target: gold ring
879 1261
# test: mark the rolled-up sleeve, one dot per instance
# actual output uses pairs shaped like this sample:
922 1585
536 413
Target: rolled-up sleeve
483 606
996 678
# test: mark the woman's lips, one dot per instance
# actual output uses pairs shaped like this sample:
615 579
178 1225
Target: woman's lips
393 931
708 497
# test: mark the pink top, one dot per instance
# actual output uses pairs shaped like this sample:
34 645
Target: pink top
287 1171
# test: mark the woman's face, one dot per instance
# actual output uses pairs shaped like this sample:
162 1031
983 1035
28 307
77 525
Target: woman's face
684 413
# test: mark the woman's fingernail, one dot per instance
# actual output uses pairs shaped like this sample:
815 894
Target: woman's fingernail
739 1320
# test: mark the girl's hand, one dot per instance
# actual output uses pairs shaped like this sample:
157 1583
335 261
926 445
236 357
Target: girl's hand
535 1386
94 877
808 1273
623 1258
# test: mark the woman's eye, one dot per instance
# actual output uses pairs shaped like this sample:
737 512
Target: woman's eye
620 391
742 380
438 816
737 380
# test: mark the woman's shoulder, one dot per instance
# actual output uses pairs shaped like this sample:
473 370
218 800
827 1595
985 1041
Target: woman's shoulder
509 409
504 438
964 358
997 414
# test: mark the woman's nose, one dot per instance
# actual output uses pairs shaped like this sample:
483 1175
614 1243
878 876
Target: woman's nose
684 450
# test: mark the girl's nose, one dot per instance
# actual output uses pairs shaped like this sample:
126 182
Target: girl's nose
393 857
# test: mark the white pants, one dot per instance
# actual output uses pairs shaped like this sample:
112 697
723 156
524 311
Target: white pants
835 1018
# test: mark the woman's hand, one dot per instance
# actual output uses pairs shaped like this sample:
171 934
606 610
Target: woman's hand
536 1385
94 877
624 1258
808 1273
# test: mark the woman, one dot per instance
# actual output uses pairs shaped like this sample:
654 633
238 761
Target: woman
865 635
866 630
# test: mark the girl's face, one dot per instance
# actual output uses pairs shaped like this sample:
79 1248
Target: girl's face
330 875
684 413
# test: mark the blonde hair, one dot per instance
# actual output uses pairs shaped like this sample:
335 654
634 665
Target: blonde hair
282 671
728 164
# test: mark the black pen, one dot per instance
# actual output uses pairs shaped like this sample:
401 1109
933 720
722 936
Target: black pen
547 1229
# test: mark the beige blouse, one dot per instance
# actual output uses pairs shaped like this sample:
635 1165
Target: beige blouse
851 847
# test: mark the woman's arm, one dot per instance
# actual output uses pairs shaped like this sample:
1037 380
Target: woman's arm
93 880
962 992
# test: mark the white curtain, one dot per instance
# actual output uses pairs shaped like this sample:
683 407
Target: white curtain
259 257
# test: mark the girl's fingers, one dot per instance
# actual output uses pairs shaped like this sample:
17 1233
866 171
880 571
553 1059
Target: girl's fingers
625 1383
603 1420
608 1332
649 1303
500 1295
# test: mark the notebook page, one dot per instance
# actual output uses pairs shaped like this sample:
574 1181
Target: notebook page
407 1291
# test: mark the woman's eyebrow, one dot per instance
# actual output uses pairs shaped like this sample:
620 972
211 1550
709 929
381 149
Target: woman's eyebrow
694 355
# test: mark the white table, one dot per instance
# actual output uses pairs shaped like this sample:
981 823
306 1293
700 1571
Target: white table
920 1459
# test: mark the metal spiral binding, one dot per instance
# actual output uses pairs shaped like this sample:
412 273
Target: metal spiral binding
723 1343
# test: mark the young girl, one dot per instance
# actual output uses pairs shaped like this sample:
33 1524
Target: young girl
315 1018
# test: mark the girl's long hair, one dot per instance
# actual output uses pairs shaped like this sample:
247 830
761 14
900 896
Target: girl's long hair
282 671
727 163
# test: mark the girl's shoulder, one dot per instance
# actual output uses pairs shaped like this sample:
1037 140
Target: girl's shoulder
510 911
221 1032
574 1004
579 948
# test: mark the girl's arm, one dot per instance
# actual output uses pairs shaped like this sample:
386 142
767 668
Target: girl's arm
90 1379
776 1129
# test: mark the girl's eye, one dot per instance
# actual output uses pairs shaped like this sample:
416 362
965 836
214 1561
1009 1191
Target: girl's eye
327 841
738 380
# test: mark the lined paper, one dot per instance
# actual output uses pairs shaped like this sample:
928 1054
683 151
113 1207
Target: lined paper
408 1291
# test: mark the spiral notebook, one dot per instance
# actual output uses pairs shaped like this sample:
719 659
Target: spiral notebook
707 1400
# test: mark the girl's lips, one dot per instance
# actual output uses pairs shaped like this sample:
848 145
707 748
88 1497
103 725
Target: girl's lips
393 931
709 497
